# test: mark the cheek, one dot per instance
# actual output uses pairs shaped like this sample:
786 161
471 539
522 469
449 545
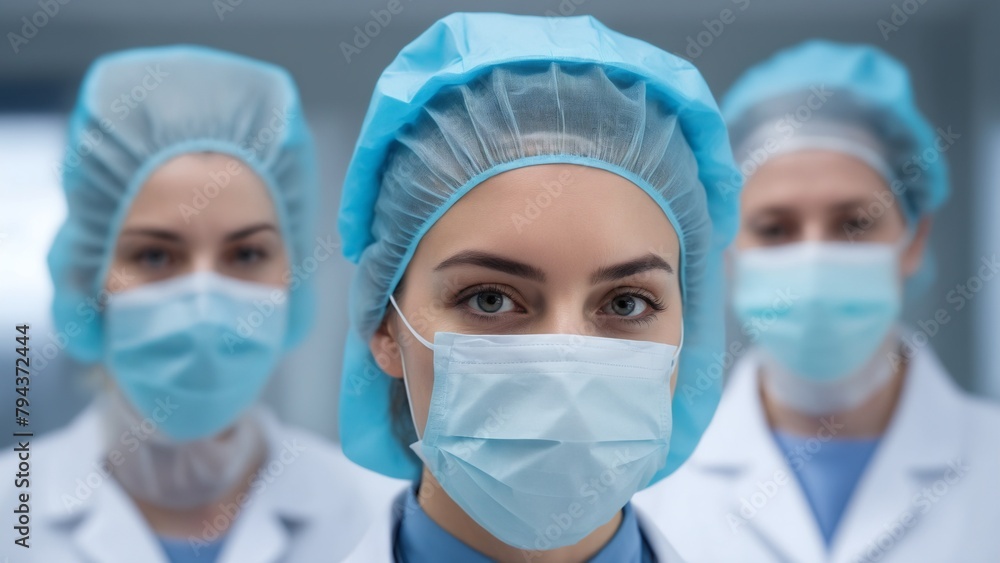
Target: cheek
277 273
122 277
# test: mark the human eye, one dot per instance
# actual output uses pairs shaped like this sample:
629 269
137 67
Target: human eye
771 232
633 305
247 255
487 302
153 258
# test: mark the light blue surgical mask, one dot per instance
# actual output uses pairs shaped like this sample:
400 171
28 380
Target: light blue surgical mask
820 310
193 353
542 438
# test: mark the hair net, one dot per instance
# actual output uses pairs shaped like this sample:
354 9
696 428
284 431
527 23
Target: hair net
854 99
480 94
140 108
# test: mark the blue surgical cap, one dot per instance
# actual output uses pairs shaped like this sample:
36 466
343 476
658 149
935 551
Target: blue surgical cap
140 108
479 94
851 98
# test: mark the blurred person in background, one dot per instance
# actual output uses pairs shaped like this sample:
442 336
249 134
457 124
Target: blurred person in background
191 187
537 211
840 436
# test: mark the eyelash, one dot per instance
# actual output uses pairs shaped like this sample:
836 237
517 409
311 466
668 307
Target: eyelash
259 251
461 297
655 303
141 255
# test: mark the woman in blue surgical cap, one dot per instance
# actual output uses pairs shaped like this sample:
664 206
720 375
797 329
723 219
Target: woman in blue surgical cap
841 437
537 208
191 189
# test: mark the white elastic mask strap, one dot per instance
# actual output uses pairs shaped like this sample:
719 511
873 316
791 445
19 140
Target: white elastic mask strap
407 323
677 353
402 360
908 238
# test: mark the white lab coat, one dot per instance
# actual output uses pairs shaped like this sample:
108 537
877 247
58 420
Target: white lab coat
315 507
378 543
931 491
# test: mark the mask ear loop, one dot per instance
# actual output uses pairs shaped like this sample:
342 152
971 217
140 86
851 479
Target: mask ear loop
406 380
677 353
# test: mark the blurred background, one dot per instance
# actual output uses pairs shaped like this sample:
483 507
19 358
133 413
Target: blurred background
336 50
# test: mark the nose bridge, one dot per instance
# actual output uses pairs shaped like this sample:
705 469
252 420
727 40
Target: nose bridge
565 315
201 289
203 259
814 230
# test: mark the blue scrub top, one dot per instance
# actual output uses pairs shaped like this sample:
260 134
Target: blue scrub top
420 540
828 473
181 550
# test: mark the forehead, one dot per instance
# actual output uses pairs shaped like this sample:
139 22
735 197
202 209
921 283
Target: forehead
561 214
202 190
814 178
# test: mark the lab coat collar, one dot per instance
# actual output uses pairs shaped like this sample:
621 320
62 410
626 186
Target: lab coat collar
661 548
84 495
380 539
923 441
921 435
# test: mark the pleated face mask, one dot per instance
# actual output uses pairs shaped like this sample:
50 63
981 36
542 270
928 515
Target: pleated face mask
542 438
820 309
194 352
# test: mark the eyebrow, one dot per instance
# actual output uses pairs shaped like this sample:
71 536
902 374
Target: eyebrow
850 205
245 232
781 209
174 237
513 267
630 268
493 262
155 233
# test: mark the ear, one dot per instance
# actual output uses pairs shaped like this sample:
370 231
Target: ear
385 348
913 255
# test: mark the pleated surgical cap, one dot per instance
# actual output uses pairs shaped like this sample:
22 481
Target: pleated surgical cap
140 108
480 94
853 99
